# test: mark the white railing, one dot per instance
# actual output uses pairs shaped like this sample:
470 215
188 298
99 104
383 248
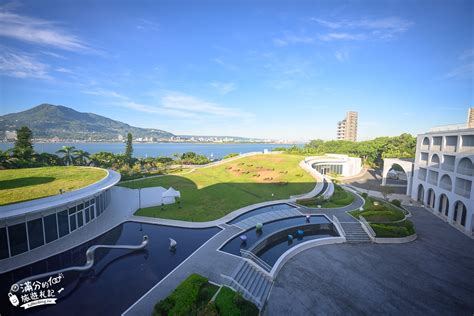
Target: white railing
366 227
251 256
452 127
338 225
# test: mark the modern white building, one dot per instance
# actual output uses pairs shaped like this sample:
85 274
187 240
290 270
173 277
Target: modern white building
33 224
341 165
443 174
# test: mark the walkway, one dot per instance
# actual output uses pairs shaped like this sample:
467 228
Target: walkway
432 275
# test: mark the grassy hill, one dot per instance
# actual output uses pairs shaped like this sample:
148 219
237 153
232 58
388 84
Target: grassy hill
210 193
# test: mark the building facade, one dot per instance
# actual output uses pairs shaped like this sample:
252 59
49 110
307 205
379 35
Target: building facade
29 225
347 128
443 174
334 164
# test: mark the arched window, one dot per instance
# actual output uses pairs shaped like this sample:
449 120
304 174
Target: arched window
460 213
466 167
425 145
431 198
435 161
446 183
421 193
443 206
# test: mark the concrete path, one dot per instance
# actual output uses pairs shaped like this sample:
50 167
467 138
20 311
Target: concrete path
432 275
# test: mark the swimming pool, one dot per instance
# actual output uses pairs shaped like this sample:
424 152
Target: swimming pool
261 210
118 278
321 227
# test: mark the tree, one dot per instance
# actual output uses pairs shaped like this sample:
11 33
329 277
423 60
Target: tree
129 148
386 191
23 148
81 156
68 154
48 159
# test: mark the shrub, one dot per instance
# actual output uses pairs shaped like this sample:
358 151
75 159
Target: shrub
230 155
402 229
364 195
183 300
396 203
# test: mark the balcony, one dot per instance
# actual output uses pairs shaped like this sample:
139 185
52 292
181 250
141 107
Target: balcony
448 162
467 143
422 174
437 140
433 177
451 143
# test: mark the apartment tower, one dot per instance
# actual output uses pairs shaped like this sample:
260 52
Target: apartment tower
347 128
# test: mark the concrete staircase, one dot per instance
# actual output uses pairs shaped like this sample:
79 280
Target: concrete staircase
354 232
252 283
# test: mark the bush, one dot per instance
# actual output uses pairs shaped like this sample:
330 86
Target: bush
364 195
402 229
230 303
396 203
230 155
185 298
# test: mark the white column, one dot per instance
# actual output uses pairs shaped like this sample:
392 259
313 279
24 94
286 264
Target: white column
451 212
468 227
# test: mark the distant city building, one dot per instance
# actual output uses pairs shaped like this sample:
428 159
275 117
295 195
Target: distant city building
470 118
347 128
120 138
10 135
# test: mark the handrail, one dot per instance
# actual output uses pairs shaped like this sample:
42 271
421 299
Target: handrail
338 225
250 255
366 226
90 259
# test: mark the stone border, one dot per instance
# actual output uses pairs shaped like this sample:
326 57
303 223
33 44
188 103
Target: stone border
395 240
290 253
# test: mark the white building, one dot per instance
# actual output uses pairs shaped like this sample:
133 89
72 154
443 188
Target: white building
341 165
443 174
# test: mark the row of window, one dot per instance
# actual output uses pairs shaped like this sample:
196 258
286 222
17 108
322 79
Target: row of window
448 143
326 168
22 237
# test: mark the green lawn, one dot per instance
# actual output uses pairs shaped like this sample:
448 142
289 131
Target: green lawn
18 185
340 198
385 219
210 193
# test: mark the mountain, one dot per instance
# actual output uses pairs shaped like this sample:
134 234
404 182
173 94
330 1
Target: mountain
49 121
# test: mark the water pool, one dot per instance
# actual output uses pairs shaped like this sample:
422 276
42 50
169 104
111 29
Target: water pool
261 210
274 250
118 278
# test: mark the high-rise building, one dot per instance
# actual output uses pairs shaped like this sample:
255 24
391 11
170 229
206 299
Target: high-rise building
470 118
347 128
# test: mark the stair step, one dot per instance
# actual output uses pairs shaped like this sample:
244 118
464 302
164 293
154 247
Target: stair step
255 287
242 272
255 279
247 278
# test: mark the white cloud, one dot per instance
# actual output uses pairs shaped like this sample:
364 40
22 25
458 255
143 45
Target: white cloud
38 31
173 104
224 64
178 101
64 70
22 65
144 24
223 87
465 71
383 28
341 36
289 38
342 55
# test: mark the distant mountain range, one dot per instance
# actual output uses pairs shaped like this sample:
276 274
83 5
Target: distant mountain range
49 121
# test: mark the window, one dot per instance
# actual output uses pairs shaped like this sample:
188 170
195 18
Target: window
17 235
50 228
87 213
80 207
3 243
92 210
80 219
35 233
63 223
72 222
72 210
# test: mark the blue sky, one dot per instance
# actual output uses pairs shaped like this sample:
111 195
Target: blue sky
273 69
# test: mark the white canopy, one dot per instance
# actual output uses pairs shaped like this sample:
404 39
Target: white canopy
171 193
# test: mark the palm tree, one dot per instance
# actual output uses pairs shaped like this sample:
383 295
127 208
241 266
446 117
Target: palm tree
81 156
68 154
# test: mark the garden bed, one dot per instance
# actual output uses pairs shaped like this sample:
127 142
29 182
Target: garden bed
340 198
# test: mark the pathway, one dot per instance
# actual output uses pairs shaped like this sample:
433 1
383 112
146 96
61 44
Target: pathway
431 275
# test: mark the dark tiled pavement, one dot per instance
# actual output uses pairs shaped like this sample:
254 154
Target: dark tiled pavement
432 275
